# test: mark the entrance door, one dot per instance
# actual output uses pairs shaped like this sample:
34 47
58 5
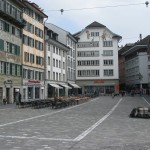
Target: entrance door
8 95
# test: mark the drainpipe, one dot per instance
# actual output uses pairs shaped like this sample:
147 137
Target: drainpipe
44 62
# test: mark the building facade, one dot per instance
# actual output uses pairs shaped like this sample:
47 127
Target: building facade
137 66
121 59
11 24
33 52
97 60
70 41
55 66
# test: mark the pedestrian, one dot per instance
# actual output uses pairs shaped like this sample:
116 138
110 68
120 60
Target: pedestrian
19 98
4 101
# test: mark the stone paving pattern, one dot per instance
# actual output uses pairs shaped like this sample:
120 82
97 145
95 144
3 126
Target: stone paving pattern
56 129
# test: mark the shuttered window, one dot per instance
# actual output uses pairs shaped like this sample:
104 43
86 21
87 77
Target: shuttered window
1 45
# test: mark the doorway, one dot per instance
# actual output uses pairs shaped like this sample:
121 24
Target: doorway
8 95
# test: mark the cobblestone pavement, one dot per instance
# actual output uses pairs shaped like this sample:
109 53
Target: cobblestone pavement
102 123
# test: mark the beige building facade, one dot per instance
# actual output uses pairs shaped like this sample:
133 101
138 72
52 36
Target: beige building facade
11 24
33 53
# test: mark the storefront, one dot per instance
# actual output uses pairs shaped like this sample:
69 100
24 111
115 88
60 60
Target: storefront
33 89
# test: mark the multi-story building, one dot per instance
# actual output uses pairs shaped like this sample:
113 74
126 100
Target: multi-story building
137 66
33 52
97 59
69 40
11 24
55 66
121 59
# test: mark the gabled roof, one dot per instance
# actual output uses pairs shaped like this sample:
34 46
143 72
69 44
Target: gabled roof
95 24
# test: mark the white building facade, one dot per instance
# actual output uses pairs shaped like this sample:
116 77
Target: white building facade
55 66
70 41
97 60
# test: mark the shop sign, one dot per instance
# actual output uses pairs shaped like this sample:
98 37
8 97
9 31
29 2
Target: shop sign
34 81
99 81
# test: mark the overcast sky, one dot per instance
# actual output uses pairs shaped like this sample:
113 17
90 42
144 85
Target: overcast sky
127 21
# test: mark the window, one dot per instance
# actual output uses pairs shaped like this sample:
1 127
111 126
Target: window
13 30
64 77
94 33
2 4
88 63
6 27
48 47
57 76
108 72
88 54
30 92
108 62
88 73
63 53
25 74
53 75
18 33
56 50
1 67
36 75
31 58
13 69
57 63
48 75
18 70
37 91
7 68
107 52
53 62
1 25
107 43
53 49
26 57
48 60
40 75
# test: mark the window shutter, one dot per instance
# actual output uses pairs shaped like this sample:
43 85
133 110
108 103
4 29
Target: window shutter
1 44
10 68
10 48
16 69
4 67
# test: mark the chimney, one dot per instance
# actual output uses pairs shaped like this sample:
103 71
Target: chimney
140 36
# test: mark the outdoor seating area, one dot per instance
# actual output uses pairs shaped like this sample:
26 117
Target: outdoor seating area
54 103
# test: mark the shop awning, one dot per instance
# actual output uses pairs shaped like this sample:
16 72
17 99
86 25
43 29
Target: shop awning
56 86
74 85
65 85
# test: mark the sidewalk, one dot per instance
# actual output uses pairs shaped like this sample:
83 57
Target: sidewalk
2 106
